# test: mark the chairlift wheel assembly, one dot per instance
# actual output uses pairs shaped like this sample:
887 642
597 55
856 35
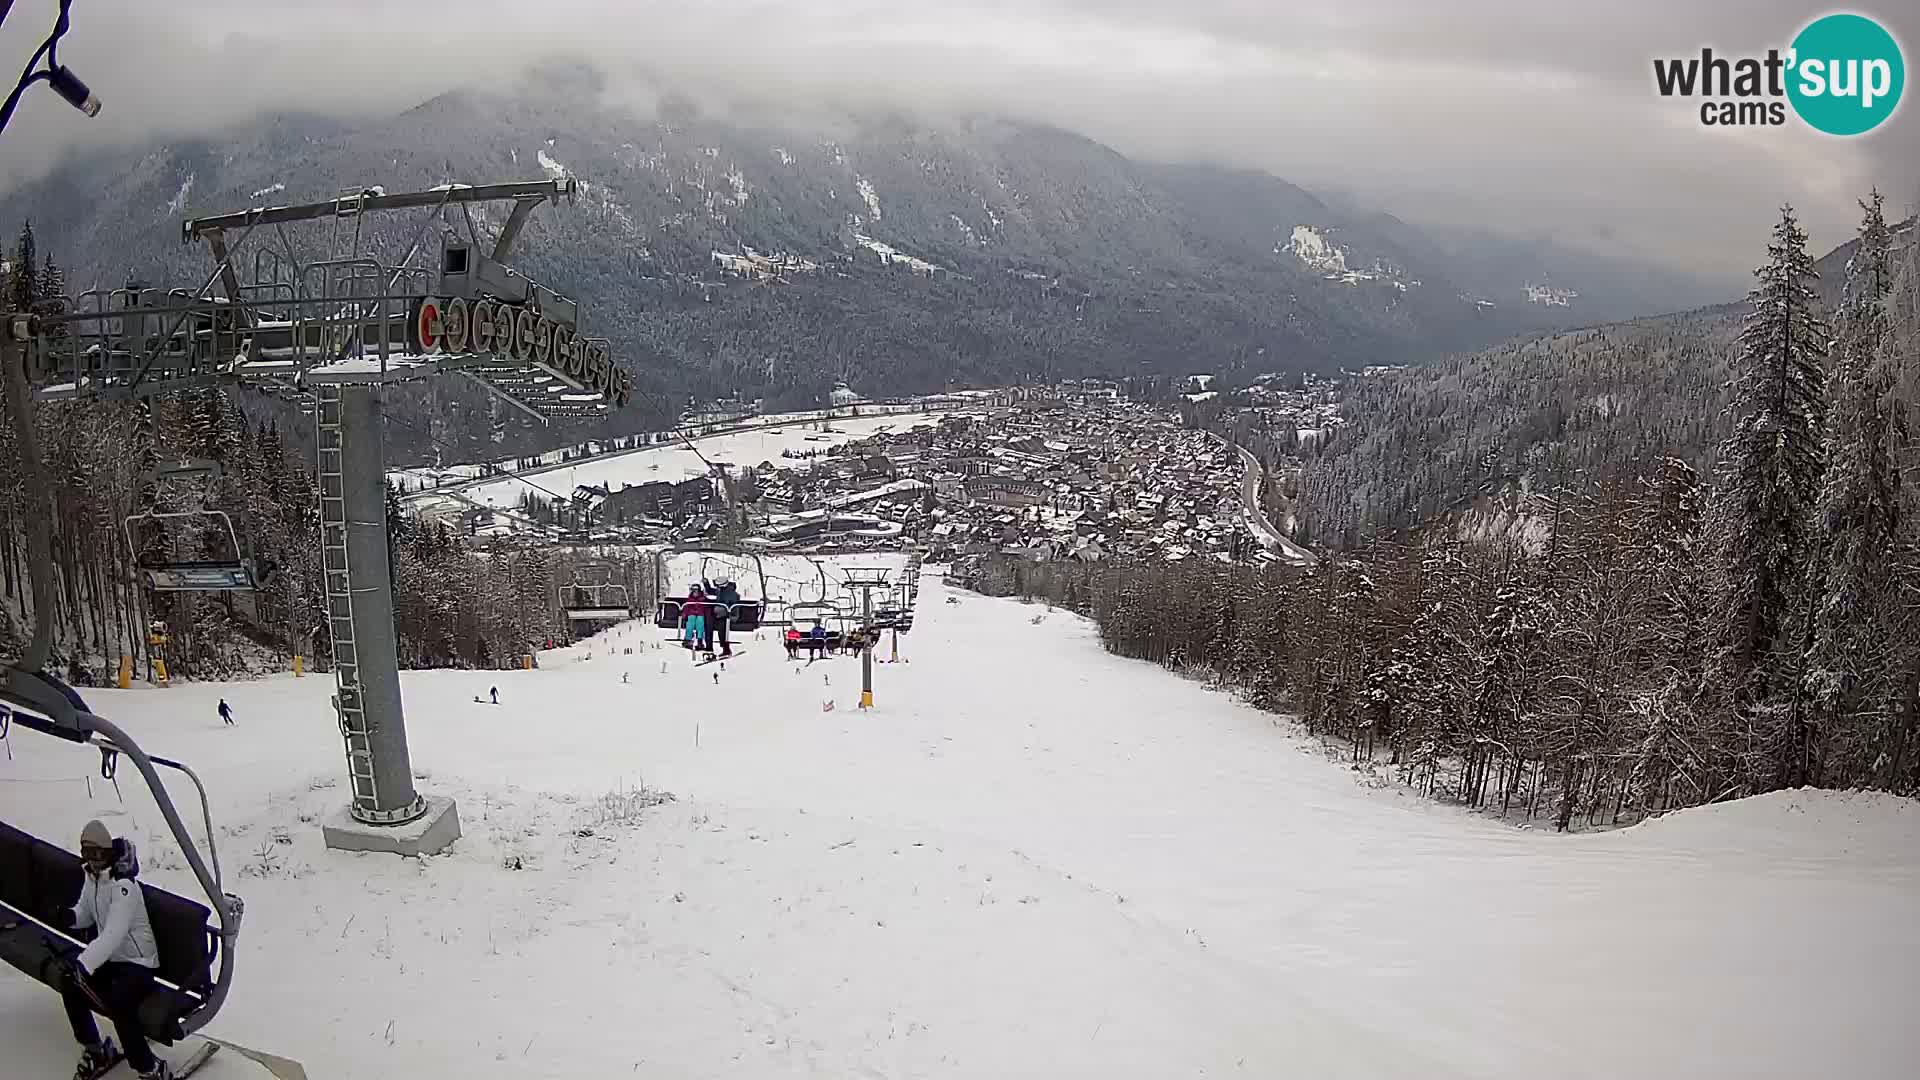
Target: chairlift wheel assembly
456 325
521 346
484 326
543 340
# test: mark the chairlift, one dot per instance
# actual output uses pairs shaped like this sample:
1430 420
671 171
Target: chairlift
37 879
231 571
805 613
594 597
746 616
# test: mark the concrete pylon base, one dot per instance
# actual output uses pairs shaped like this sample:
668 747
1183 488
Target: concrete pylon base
428 834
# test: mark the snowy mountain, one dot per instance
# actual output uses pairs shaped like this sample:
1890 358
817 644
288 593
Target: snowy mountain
730 257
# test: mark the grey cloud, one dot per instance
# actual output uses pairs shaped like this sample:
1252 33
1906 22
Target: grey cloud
1527 117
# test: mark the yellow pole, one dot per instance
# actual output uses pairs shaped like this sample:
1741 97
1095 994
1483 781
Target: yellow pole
299 666
160 671
126 672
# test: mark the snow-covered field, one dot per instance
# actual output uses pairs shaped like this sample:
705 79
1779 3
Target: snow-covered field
1032 860
678 462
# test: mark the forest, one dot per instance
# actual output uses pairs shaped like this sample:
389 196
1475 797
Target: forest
1667 631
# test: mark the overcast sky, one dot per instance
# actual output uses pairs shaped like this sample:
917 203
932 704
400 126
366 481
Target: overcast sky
1530 117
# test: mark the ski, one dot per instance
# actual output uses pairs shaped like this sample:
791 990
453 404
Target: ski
200 1056
712 659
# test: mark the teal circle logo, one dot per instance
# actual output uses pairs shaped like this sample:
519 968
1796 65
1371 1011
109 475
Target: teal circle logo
1847 74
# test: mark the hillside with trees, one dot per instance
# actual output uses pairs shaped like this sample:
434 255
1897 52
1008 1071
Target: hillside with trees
1716 594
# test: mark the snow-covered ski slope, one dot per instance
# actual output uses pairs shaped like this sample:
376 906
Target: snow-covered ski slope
676 462
1033 860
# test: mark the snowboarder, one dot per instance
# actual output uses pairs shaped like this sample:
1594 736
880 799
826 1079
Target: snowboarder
114 973
495 692
226 712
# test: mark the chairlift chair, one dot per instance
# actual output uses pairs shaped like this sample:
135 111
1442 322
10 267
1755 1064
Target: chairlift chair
232 572
804 614
37 879
594 597
743 617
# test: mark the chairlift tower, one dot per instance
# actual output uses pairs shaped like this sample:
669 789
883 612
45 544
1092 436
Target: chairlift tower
866 579
332 330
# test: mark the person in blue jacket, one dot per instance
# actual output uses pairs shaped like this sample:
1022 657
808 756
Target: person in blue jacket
724 595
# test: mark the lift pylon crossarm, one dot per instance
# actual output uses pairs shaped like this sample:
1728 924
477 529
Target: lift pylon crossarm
198 228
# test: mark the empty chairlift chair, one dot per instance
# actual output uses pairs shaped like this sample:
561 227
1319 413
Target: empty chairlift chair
594 597
224 567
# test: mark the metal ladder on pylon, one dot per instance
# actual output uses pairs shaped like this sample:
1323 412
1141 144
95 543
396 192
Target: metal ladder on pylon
349 701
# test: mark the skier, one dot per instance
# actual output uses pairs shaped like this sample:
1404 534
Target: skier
226 712
495 692
816 642
725 596
793 643
114 973
693 613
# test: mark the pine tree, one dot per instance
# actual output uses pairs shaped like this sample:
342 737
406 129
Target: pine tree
52 286
23 287
1771 465
1859 507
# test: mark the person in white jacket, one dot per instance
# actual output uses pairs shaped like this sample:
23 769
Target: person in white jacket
114 973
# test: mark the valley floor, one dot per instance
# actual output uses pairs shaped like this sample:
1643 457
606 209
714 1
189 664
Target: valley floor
1031 860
